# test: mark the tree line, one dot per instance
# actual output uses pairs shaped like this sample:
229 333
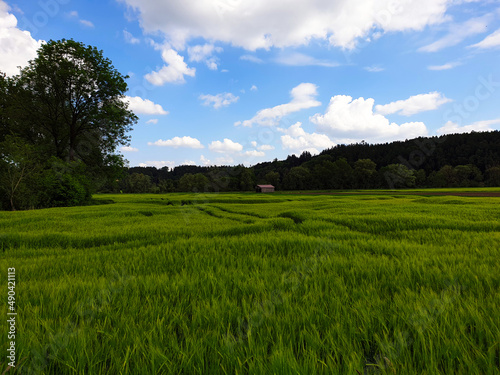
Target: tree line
458 160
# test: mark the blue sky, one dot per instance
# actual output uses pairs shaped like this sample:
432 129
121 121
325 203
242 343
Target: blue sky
225 82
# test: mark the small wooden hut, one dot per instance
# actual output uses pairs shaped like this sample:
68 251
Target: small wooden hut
264 189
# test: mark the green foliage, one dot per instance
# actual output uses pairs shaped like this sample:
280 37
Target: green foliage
137 183
398 176
63 184
194 183
66 104
493 176
19 163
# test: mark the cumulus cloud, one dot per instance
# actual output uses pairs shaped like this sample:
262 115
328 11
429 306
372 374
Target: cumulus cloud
355 120
176 142
219 100
491 41
173 72
226 146
479 126
414 104
458 33
253 88
298 140
303 97
144 106
17 47
204 53
152 121
283 23
128 149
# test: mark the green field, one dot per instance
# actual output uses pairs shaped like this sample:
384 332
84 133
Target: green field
256 284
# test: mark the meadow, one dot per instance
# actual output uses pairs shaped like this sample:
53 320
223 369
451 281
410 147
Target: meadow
256 284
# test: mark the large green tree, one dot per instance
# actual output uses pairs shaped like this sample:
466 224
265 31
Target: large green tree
69 102
68 105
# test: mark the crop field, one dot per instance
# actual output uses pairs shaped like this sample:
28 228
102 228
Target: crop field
255 284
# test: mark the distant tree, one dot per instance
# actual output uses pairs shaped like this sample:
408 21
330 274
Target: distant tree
398 176
166 186
247 179
420 178
447 177
493 176
342 174
272 178
468 175
194 183
365 172
138 183
298 178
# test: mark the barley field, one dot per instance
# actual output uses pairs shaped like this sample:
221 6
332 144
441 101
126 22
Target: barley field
256 284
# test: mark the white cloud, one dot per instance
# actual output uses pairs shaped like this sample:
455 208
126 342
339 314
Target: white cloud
254 153
17 47
458 33
374 69
74 14
283 23
266 147
204 160
444 66
299 59
479 126
152 121
128 149
144 106
129 38
204 53
355 120
296 139
414 104
219 100
173 72
303 97
158 164
224 160
86 23
491 41
253 88
251 58
175 142
188 162
227 146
